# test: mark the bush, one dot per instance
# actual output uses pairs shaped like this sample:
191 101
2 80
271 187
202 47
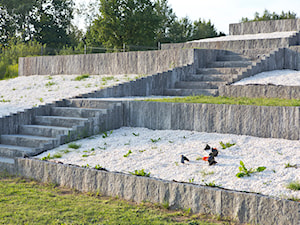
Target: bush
11 71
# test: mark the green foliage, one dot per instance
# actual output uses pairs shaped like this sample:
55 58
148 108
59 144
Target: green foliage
226 145
46 157
127 154
98 167
294 185
212 184
231 100
288 165
270 16
74 145
105 134
155 140
136 134
82 77
140 173
247 172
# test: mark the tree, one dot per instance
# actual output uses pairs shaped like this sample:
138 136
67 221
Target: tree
270 16
130 22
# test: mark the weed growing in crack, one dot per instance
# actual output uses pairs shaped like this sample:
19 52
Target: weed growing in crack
49 84
226 145
191 180
86 166
140 173
82 77
74 146
105 134
212 184
288 165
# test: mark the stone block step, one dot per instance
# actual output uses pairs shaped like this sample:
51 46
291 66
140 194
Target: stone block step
29 141
77 112
46 131
215 71
230 64
94 103
210 77
11 151
7 160
59 121
198 85
7 164
232 57
190 92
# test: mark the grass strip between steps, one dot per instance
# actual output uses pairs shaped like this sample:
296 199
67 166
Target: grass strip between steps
230 100
25 201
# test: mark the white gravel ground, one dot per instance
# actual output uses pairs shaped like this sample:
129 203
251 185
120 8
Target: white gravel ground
161 155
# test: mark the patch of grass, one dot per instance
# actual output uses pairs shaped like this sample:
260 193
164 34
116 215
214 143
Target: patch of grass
288 165
49 84
104 79
140 173
24 201
46 157
294 185
74 146
247 172
231 100
155 140
226 145
212 184
3 100
82 77
127 154
136 134
105 134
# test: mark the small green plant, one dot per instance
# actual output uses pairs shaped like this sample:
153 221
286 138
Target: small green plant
288 165
105 134
41 99
246 172
212 184
191 180
176 163
198 158
86 166
81 77
127 154
104 79
142 150
294 185
136 134
46 157
66 151
171 142
85 155
204 173
226 145
166 205
3 100
57 155
155 140
98 167
74 146
49 84
140 173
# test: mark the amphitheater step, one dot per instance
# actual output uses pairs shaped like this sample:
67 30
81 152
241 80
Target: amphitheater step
229 64
76 112
190 92
232 57
11 151
59 121
92 103
215 71
198 85
46 131
211 77
29 141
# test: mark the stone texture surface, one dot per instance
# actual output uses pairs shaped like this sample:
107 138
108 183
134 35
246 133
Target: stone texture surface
257 27
243 207
145 62
260 91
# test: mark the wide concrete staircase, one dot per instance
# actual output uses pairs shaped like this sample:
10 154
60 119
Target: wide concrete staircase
76 119
206 81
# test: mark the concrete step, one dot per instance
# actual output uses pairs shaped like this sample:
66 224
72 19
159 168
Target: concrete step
29 141
59 121
12 151
210 77
228 64
215 71
198 85
190 92
7 164
46 131
232 57
94 103
77 112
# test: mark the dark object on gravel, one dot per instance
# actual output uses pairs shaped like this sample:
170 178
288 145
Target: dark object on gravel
183 158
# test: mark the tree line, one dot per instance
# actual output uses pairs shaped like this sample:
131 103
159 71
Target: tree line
35 27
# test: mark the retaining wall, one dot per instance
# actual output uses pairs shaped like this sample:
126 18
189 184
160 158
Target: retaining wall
270 26
260 91
243 207
146 62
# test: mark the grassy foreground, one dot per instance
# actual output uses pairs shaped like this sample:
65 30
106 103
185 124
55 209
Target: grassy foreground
231 100
24 201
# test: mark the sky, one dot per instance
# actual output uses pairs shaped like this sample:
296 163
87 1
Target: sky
224 12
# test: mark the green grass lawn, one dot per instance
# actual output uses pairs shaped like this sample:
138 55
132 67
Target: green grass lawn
24 201
232 101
